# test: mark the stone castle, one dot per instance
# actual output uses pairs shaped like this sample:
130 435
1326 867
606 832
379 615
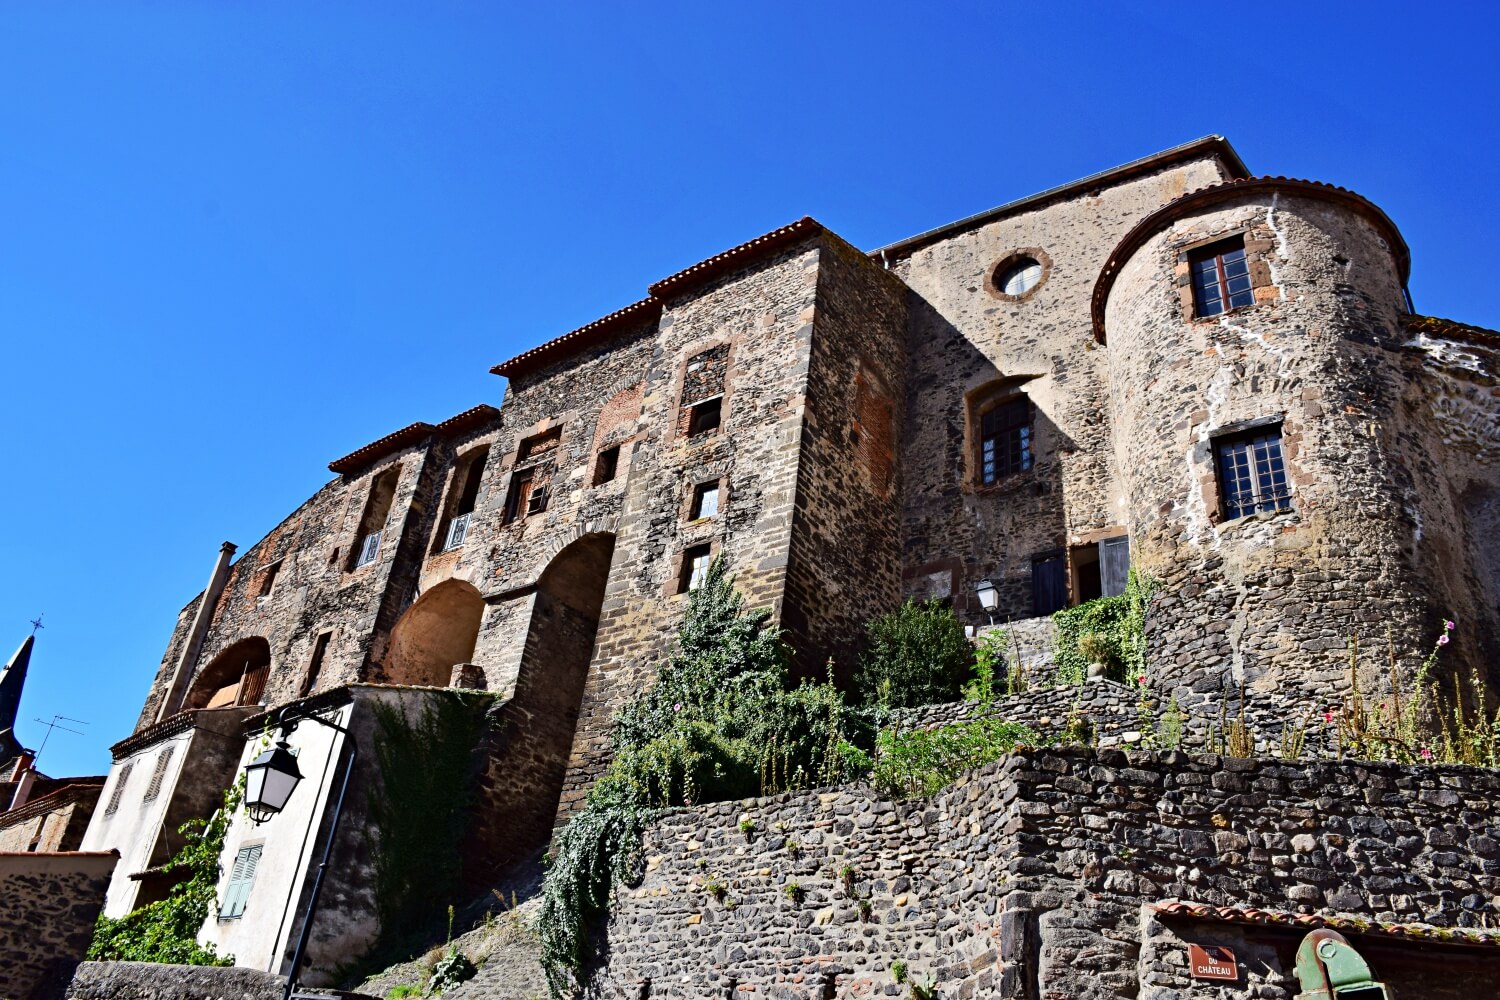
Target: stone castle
1214 378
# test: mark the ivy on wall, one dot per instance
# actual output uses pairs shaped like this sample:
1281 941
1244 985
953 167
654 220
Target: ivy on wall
1112 628
167 930
429 769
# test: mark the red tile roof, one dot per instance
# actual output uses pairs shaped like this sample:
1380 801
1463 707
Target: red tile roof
597 332
705 271
474 416
1452 329
1302 922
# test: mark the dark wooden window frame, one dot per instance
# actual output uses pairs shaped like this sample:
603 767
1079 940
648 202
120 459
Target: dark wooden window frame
1006 435
1250 469
1221 278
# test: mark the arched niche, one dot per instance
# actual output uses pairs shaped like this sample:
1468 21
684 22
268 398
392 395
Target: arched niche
435 634
237 676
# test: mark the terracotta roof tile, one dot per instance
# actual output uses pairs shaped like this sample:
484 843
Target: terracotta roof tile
706 270
474 416
1226 191
1250 915
597 332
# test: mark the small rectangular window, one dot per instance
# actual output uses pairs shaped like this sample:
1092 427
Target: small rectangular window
163 759
705 501
1221 278
1005 440
368 549
1252 474
268 578
241 878
695 562
463 496
704 417
607 466
315 667
518 500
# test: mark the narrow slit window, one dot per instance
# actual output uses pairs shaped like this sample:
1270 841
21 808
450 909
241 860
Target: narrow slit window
241 879
1221 278
705 501
315 666
1005 440
695 562
704 417
1252 473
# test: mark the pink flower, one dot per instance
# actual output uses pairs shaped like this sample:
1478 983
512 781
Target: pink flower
1448 625
677 707
1141 679
1327 716
1426 754
1443 639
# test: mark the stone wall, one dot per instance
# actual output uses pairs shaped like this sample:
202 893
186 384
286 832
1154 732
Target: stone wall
1026 878
50 903
1269 600
150 981
968 345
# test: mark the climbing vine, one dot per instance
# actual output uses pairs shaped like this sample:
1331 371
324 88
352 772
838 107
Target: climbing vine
167 930
1112 628
721 722
429 770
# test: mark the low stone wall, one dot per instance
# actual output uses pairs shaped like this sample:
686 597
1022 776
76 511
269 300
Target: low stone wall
48 905
1027 878
1112 710
149 981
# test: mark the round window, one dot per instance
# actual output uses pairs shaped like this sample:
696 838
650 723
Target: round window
1019 276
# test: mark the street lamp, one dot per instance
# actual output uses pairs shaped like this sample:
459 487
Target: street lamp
989 597
270 780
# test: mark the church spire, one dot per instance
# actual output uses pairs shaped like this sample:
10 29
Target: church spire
12 679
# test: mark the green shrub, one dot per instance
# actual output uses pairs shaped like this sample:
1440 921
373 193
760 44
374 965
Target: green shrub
452 971
1113 630
922 761
719 723
403 991
915 656
167 930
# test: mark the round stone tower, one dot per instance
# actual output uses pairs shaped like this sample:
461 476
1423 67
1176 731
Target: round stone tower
1253 331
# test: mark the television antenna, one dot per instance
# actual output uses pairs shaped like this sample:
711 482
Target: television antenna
55 724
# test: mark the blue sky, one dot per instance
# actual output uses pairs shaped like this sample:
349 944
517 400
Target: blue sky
240 239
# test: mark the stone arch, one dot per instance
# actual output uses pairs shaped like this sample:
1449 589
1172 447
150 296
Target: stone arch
237 676
524 779
435 634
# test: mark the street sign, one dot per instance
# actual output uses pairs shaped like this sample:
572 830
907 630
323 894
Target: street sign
1212 962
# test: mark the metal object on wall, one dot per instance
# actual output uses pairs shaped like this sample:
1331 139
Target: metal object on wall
1328 968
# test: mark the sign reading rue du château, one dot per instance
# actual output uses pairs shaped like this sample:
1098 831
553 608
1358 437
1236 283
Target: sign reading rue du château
1212 962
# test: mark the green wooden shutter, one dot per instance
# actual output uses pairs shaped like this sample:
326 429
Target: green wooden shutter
241 878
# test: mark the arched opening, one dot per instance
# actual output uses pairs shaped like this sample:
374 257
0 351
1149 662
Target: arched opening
525 776
237 676
436 633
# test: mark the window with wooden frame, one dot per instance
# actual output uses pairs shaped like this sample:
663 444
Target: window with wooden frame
1004 440
1221 278
705 501
694 571
1252 473
539 444
241 879
526 496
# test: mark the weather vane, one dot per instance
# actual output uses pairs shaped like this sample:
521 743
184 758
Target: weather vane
36 623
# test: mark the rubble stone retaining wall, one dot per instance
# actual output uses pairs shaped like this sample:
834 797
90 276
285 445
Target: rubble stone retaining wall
1027 878
50 903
